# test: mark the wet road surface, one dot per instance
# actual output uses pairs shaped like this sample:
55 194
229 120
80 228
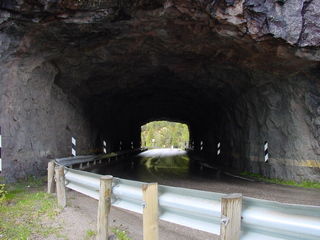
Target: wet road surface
173 167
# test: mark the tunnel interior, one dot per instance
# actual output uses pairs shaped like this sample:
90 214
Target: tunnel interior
99 72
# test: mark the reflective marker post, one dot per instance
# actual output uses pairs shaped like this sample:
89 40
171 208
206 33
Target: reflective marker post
104 146
266 152
73 148
218 148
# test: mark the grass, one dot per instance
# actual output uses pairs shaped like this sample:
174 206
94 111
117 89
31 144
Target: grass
303 184
120 234
23 208
90 234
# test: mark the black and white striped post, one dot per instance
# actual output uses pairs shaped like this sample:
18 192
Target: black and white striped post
73 147
104 146
218 149
201 145
0 151
266 152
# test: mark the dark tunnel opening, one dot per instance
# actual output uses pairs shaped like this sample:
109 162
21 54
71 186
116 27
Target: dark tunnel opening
97 76
227 109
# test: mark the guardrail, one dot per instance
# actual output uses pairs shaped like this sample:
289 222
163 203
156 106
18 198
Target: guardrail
85 160
202 210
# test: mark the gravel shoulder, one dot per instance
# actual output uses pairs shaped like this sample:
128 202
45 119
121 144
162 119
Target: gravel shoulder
80 215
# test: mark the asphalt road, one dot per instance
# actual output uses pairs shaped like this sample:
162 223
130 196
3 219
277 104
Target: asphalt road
173 167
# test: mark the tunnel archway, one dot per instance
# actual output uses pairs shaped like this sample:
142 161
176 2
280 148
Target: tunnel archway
99 70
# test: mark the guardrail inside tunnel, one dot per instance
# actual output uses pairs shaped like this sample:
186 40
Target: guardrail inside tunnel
86 160
261 219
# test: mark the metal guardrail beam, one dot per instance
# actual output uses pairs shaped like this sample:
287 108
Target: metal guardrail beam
83 182
191 208
262 219
75 160
69 161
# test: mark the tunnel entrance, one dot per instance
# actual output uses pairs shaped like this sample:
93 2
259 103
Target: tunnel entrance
164 134
240 74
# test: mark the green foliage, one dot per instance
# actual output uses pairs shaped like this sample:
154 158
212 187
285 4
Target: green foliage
120 234
303 184
23 208
90 234
165 134
3 193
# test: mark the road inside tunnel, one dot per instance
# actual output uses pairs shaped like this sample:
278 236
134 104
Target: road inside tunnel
175 167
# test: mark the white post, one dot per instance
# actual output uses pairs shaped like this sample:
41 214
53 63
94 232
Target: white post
218 148
104 146
73 148
266 152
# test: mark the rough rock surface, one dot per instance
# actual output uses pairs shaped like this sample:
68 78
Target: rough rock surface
239 72
38 120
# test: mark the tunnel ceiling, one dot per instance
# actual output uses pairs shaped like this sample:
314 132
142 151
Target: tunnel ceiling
140 60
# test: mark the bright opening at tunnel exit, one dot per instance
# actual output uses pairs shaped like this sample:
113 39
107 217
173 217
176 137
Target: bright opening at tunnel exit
165 134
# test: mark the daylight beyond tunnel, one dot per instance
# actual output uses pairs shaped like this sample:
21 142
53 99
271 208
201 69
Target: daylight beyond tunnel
238 73
165 134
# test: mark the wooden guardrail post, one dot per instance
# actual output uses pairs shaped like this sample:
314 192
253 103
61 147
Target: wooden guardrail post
61 187
51 182
230 226
150 212
104 208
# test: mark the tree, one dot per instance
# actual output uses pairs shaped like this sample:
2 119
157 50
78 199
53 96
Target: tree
165 134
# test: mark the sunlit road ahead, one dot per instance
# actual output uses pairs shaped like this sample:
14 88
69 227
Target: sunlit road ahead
163 152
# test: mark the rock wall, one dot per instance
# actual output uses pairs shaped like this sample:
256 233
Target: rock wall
284 113
38 119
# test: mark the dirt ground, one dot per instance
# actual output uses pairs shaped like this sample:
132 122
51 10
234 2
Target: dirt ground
80 215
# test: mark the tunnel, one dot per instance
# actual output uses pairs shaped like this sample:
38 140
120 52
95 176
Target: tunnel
242 74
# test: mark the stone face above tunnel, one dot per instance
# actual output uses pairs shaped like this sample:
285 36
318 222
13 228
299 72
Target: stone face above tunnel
295 21
239 72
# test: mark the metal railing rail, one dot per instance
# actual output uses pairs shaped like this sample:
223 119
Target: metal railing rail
68 161
261 219
82 159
